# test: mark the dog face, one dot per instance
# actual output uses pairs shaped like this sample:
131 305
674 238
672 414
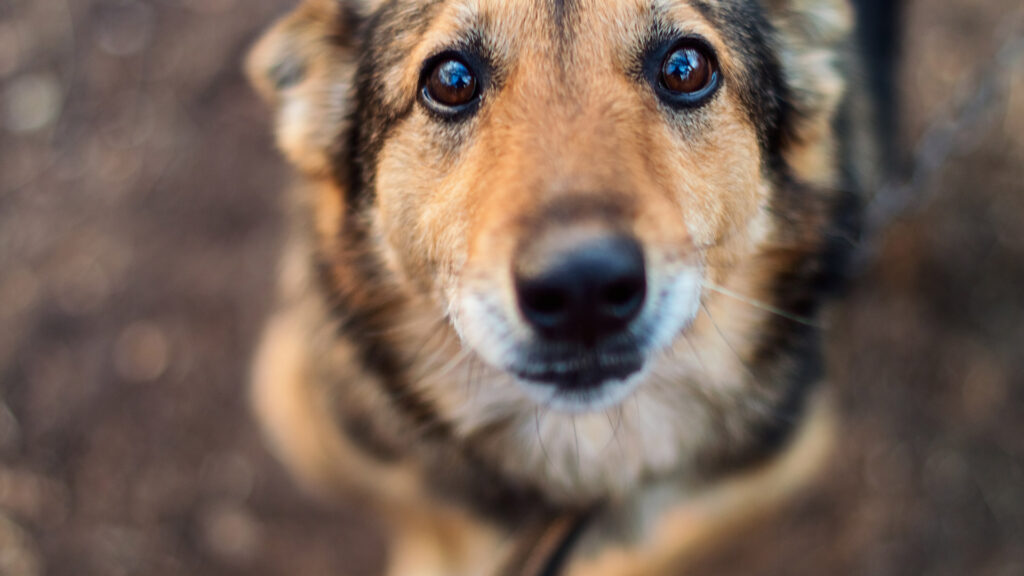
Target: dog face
606 201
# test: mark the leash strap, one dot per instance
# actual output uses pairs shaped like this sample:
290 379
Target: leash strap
546 551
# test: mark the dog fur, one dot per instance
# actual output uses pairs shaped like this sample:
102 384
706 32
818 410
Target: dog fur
385 373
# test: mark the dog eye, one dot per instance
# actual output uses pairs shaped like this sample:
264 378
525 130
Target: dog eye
450 84
688 75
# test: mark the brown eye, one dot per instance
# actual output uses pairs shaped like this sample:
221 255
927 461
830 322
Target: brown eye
687 71
451 84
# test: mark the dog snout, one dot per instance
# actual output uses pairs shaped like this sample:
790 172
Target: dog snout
580 286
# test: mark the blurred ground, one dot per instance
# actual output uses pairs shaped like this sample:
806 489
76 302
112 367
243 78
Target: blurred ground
138 227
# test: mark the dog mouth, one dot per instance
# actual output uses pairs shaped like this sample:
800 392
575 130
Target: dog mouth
578 369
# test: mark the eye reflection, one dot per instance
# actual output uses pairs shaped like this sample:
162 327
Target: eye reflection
451 84
686 71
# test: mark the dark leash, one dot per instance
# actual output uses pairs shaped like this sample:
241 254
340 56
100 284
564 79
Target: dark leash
545 551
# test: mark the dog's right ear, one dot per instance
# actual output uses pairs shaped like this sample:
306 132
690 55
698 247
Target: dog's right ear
305 66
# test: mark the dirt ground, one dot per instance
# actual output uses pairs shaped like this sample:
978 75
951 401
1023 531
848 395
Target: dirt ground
139 222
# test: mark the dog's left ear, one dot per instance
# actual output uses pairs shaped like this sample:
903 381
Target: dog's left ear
304 66
814 38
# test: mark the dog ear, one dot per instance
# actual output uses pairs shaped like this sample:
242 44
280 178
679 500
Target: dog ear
814 38
304 66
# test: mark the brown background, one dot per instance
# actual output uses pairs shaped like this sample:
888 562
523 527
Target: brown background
139 219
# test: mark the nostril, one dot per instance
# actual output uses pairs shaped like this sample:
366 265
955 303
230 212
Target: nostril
546 301
621 293
623 298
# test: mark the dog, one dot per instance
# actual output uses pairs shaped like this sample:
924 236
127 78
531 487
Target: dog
552 292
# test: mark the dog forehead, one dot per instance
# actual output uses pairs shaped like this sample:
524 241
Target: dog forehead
539 23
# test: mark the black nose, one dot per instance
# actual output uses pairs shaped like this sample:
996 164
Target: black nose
584 290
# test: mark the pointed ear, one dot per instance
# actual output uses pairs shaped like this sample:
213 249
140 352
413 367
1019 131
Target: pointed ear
304 66
814 39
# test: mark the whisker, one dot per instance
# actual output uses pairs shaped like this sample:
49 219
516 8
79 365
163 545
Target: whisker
540 438
470 385
680 391
480 374
615 429
728 344
696 355
455 362
761 305
676 390
431 325
661 381
415 357
436 356
576 435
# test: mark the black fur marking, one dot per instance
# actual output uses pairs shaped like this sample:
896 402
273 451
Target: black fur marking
374 117
559 8
471 480
364 327
764 93
354 168
789 355
362 430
